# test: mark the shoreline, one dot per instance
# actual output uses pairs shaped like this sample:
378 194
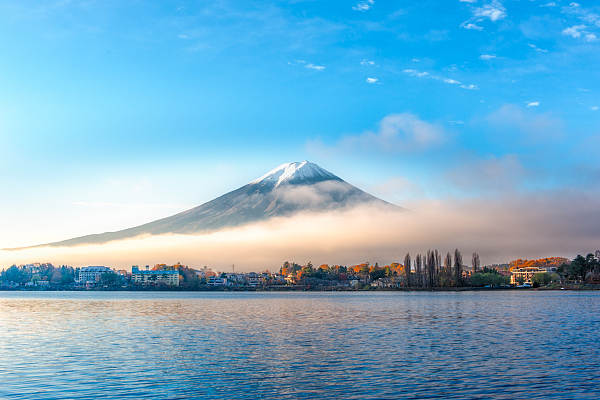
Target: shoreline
303 289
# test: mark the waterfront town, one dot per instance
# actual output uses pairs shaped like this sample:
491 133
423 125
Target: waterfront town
430 271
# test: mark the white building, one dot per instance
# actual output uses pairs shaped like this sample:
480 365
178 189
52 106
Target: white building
525 274
218 281
154 277
91 274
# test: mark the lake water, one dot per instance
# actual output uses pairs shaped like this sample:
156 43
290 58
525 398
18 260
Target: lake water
386 345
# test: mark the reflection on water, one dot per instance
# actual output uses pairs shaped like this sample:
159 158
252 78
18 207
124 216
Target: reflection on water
507 345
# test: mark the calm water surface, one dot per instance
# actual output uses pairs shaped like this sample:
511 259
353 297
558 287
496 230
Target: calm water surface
505 345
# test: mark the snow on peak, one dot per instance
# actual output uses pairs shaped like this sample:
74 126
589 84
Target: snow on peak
296 172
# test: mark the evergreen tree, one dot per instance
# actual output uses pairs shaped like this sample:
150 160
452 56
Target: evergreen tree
418 264
407 267
457 268
475 262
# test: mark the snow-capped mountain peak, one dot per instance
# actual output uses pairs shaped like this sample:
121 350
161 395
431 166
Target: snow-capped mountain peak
296 172
290 188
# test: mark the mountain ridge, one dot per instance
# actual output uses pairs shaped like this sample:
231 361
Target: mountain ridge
290 188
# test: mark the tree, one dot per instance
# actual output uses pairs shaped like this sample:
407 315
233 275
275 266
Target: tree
447 269
56 277
109 279
457 267
437 267
579 267
377 273
285 268
541 279
488 278
16 274
407 267
431 263
418 264
475 262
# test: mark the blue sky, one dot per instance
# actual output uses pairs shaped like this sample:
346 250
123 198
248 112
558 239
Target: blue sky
113 113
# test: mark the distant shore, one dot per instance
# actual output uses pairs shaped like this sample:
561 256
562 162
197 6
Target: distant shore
306 289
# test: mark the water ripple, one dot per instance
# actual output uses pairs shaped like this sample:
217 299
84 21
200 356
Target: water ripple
503 345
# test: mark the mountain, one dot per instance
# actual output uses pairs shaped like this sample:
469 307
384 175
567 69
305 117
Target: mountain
287 189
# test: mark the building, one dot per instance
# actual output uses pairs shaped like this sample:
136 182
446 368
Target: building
525 274
92 274
154 277
253 279
205 273
218 281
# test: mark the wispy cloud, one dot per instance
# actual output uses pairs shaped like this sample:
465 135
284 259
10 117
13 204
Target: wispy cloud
402 131
451 81
499 227
315 67
396 133
487 56
372 80
574 31
589 21
594 108
533 104
493 11
424 74
366 62
471 26
536 48
492 173
527 124
586 15
364 5
308 65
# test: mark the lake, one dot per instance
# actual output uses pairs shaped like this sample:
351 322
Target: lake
253 345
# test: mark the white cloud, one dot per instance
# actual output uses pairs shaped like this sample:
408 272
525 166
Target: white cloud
538 49
451 81
307 65
372 80
315 67
588 20
594 108
500 227
487 56
364 5
415 73
533 104
396 133
550 4
468 1
367 62
525 124
400 132
471 26
489 174
494 11
424 74
574 31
